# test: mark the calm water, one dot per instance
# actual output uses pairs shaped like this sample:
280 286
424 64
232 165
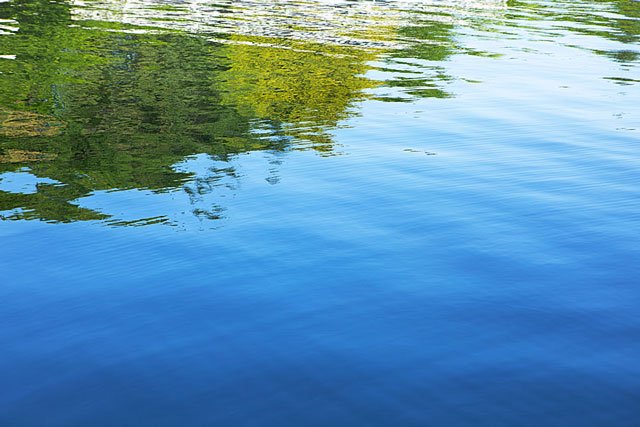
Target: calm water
306 213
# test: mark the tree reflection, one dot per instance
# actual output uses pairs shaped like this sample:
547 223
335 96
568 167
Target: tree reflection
106 109
300 92
99 98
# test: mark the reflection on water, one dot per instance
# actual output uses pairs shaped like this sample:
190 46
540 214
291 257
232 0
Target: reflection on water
319 213
111 95
98 108
106 95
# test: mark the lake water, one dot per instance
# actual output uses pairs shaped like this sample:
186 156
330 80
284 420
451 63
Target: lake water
306 213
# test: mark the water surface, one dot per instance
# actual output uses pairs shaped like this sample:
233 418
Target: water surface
299 213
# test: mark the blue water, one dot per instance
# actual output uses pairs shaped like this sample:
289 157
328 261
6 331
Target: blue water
465 254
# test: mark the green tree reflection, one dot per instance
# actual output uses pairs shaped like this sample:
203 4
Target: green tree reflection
104 108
